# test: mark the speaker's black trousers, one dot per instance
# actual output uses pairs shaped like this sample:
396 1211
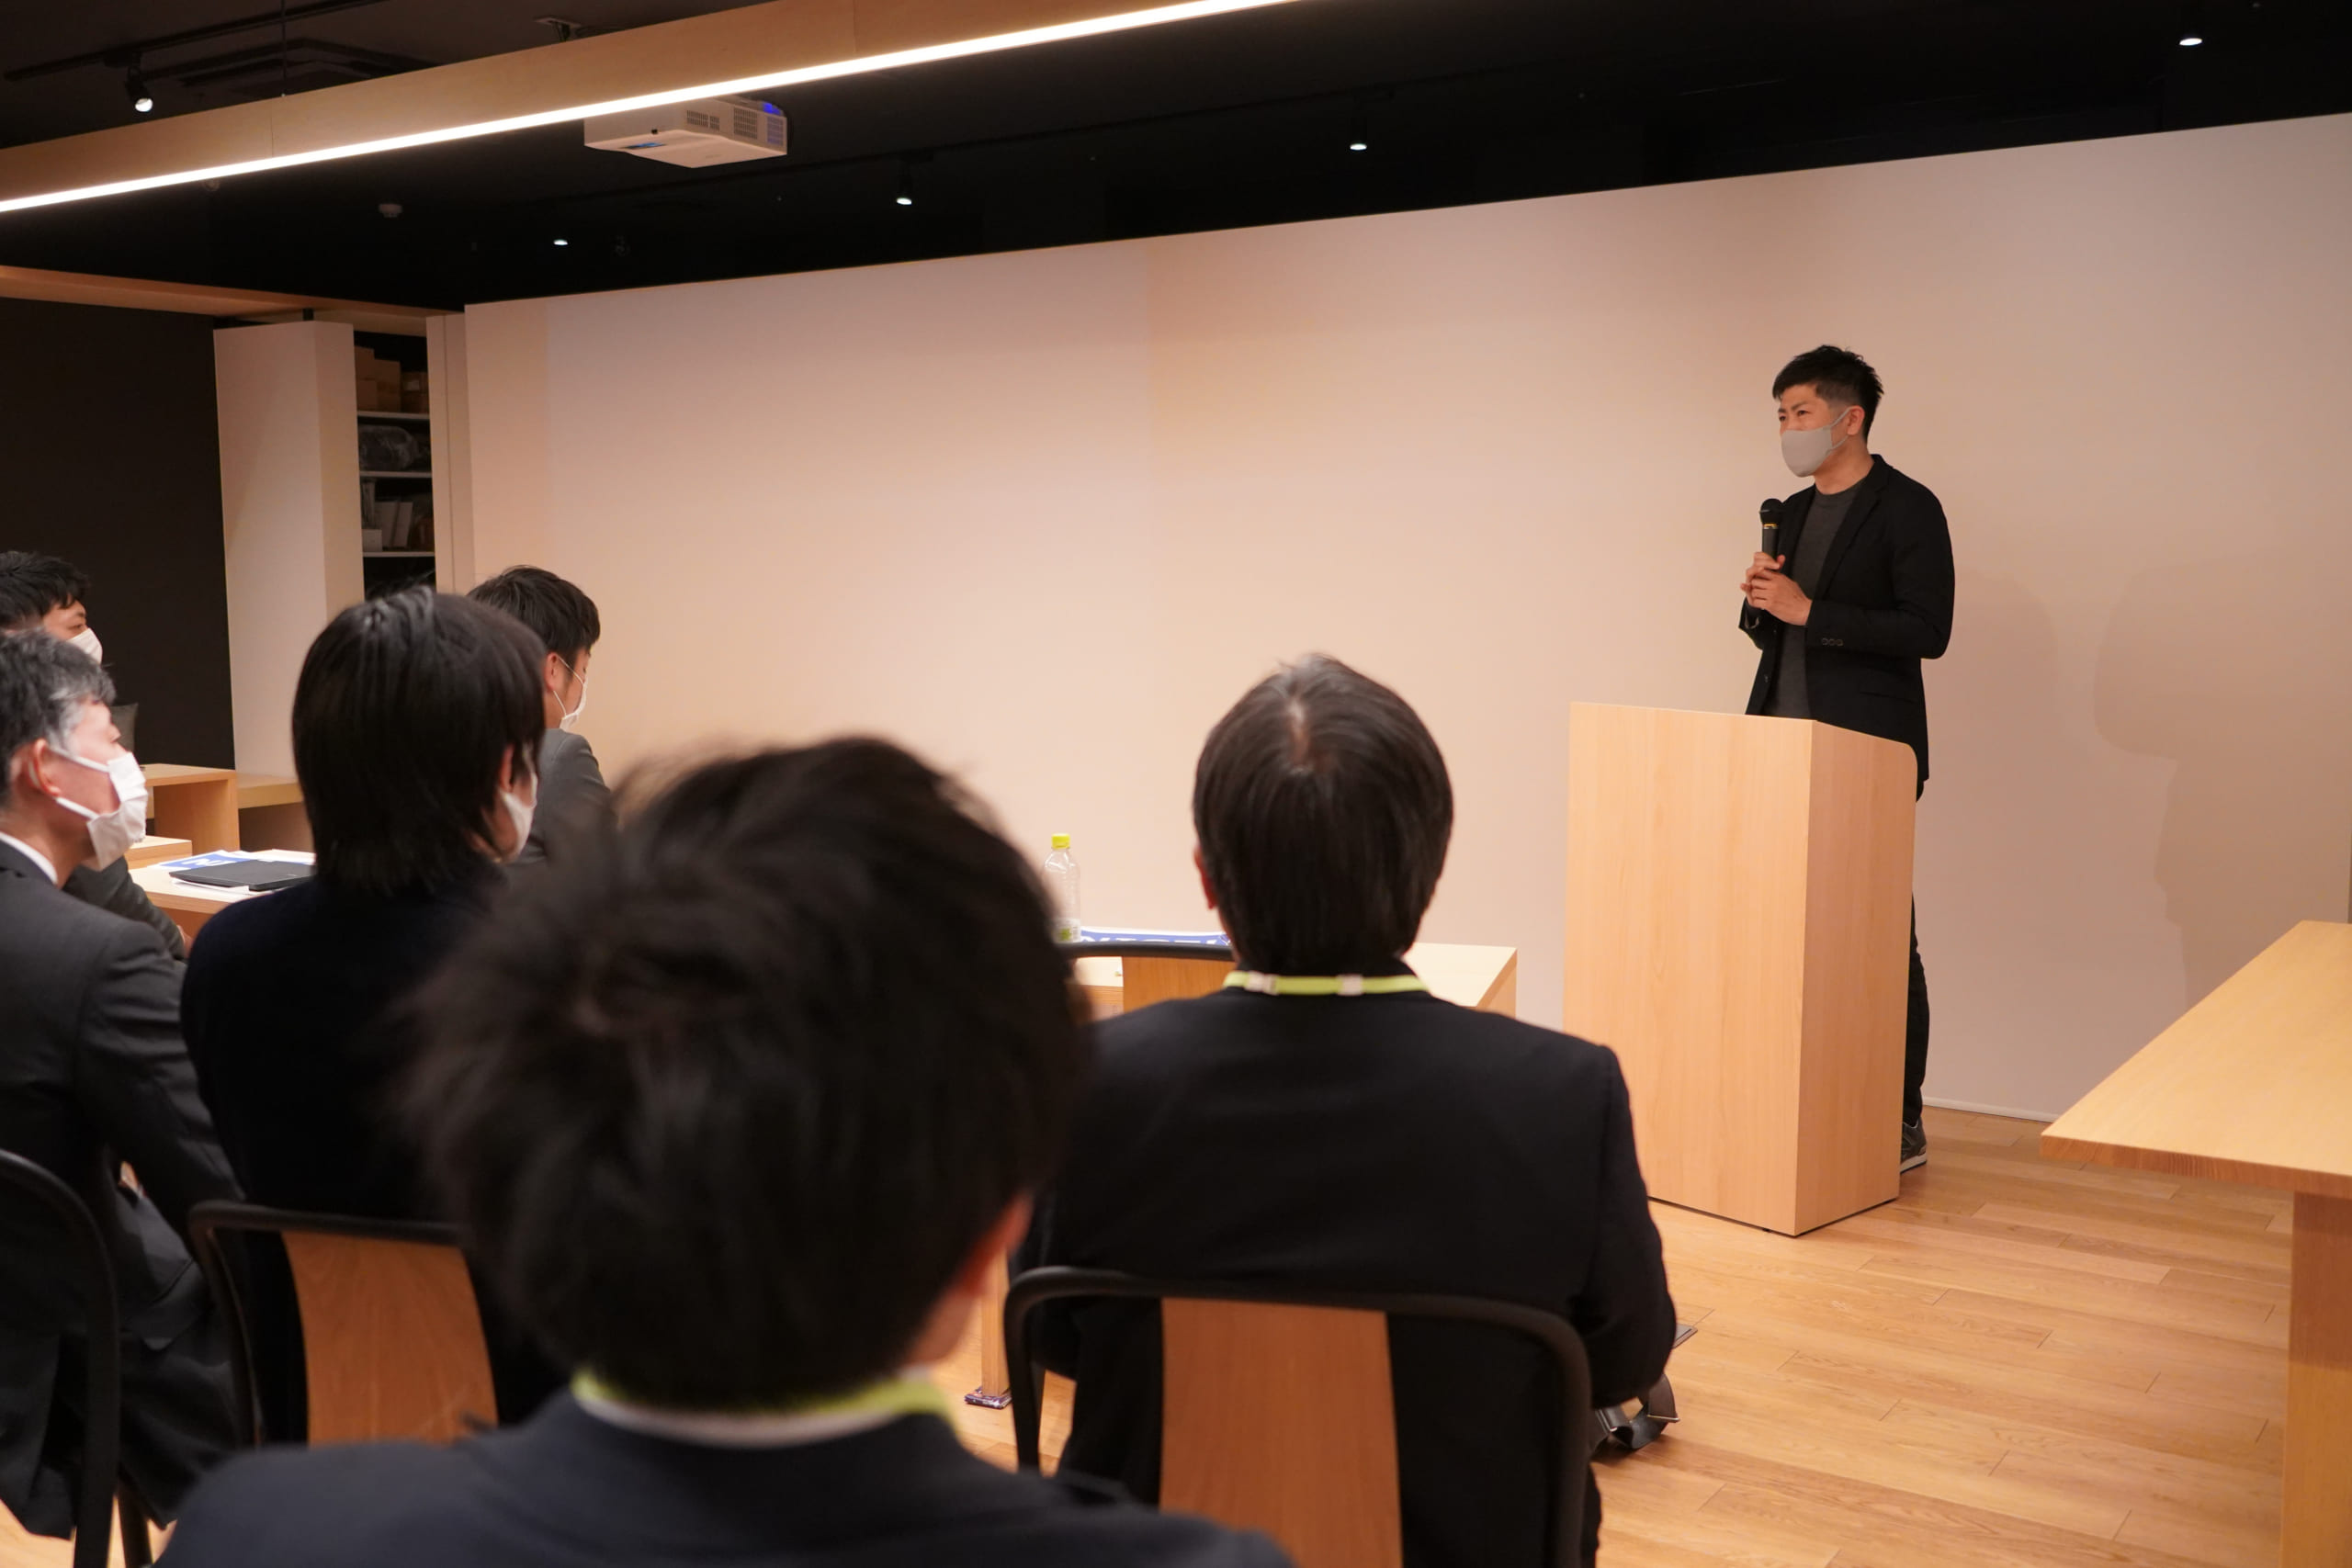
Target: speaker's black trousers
1915 1029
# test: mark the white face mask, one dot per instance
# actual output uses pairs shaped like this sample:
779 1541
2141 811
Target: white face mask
87 641
571 715
113 832
518 812
1805 450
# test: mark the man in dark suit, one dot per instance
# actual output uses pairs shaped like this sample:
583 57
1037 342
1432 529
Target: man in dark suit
572 797
1861 592
1374 1139
738 1110
43 593
92 1073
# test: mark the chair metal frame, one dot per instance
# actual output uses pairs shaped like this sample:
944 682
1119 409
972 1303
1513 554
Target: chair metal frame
102 1485
1553 1333
209 1222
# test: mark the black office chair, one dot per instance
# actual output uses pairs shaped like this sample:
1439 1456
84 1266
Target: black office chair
103 1490
392 1340
1553 1333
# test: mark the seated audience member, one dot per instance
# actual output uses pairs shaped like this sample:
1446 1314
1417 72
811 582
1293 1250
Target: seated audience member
572 797
417 729
1387 1141
92 1073
737 1110
43 593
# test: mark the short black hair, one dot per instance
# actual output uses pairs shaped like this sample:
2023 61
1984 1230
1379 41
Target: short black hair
43 684
405 708
1839 373
1323 810
725 1102
32 584
562 617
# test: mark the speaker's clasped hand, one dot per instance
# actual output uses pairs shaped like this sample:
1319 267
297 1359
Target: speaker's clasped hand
1772 591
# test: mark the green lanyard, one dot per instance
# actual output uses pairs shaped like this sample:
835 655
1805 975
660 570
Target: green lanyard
891 1397
1323 985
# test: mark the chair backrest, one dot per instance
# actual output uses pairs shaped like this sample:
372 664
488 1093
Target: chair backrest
392 1341
83 1250
1276 1411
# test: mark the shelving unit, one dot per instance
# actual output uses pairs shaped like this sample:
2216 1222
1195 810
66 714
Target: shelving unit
388 569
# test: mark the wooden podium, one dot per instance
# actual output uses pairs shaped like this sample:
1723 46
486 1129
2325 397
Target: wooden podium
1739 932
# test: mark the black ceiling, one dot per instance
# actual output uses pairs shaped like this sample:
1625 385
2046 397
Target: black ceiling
1236 120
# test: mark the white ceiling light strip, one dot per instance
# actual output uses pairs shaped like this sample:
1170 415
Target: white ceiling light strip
1060 32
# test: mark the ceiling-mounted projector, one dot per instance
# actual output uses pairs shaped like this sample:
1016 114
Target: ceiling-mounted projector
693 135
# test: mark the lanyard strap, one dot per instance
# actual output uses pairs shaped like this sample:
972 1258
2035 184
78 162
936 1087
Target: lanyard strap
1323 985
890 1397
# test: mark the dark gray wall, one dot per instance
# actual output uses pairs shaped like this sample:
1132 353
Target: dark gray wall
110 457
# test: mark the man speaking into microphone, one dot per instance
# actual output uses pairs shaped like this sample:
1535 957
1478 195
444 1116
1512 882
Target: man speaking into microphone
1859 593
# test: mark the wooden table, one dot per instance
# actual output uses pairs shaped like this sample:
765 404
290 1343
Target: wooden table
1484 978
190 903
150 849
2254 1085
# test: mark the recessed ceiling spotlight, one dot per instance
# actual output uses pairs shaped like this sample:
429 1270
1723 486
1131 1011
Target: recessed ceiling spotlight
563 241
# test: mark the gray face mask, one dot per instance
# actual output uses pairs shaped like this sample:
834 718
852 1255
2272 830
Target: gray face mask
1805 450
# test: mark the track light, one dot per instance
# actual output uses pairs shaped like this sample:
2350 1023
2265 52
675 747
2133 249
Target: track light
906 185
563 241
1359 133
135 86
2192 27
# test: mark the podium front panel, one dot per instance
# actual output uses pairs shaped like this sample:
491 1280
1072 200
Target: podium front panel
1738 932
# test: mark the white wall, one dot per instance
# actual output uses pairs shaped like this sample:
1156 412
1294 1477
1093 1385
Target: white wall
289 507
1045 515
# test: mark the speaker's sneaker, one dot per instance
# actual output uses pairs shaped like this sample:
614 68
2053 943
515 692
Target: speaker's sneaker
1915 1146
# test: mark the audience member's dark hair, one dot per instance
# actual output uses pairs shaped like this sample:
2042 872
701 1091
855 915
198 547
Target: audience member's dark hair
31 585
43 684
405 709
1840 375
1323 810
725 1104
563 617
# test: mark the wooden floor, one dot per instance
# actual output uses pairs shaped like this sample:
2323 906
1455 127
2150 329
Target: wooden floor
2016 1364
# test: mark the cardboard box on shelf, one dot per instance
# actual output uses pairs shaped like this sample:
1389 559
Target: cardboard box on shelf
413 393
369 396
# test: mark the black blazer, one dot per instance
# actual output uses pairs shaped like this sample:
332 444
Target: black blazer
1393 1143
1885 604
114 891
92 1073
570 1489
290 1016
293 1015
573 800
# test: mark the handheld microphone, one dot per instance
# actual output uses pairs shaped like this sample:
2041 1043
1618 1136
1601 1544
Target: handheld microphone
1770 512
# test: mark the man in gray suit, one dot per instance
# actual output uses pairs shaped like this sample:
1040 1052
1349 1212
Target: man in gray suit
92 1073
42 593
572 797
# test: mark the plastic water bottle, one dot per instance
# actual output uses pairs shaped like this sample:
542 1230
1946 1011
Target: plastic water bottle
1061 888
